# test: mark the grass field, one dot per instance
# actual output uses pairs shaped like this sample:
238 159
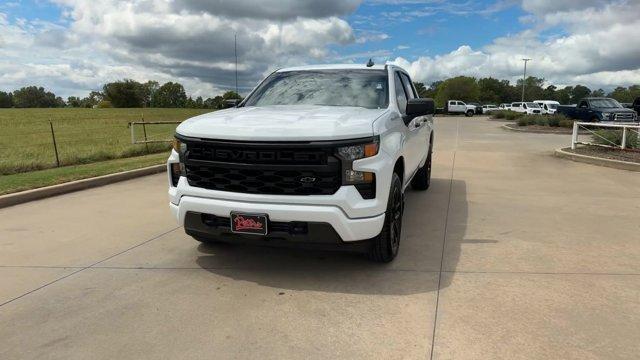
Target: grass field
36 179
82 135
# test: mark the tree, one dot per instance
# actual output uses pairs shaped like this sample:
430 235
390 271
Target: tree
6 99
169 95
229 95
532 89
494 90
459 88
199 102
549 93
74 101
147 90
35 97
124 94
597 93
563 96
579 92
626 95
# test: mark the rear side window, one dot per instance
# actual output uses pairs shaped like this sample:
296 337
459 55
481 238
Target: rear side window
408 86
401 97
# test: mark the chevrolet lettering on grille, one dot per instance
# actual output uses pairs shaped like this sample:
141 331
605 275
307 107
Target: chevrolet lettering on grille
262 155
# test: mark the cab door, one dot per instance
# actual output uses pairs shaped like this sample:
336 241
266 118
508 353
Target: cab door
416 145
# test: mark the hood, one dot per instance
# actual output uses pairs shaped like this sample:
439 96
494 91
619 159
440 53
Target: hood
616 110
283 123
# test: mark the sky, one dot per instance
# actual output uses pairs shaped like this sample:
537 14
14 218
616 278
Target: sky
72 47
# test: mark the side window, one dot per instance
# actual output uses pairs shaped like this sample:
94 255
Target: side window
411 93
401 97
524 106
583 104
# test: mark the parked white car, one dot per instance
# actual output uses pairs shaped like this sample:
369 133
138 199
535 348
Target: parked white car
316 156
489 108
505 106
459 107
529 108
548 106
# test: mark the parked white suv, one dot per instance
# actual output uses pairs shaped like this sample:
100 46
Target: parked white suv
529 108
548 106
315 156
459 107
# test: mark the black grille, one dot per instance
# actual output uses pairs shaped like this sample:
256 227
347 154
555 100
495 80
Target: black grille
267 168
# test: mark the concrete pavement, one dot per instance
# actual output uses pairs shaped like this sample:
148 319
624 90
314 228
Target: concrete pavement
511 254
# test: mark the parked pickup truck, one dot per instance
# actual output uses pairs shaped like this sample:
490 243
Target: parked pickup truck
598 109
459 107
315 156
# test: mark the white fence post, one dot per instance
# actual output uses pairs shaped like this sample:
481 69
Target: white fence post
624 137
574 135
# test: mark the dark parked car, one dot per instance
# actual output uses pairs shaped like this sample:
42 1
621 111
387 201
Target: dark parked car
636 106
598 109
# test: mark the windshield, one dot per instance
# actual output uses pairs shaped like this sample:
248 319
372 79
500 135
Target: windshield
361 88
605 103
533 105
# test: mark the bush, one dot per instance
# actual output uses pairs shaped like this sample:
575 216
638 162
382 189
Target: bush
498 114
104 104
526 120
566 123
614 137
512 115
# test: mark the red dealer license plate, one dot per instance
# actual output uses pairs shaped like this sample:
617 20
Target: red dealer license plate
243 223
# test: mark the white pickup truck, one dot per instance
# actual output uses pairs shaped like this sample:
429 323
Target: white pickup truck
315 156
459 107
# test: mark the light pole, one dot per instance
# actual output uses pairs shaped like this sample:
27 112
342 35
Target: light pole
524 76
235 51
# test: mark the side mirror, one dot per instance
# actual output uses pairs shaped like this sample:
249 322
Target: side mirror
231 103
420 107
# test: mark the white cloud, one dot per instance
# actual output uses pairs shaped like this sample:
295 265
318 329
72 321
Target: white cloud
190 41
598 50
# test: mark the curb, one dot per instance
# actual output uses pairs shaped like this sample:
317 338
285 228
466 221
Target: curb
49 191
616 164
507 127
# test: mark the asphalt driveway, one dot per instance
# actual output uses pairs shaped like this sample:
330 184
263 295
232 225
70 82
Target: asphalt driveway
511 254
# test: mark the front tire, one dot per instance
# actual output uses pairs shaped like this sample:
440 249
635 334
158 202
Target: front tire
469 113
385 246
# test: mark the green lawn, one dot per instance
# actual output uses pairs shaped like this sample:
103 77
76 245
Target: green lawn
82 135
35 179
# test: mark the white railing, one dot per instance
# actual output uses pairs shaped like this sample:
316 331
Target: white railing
626 128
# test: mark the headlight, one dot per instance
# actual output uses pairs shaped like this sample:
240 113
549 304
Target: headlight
350 153
360 151
179 146
606 115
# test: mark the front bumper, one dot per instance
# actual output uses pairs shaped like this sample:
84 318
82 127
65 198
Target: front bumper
348 229
351 216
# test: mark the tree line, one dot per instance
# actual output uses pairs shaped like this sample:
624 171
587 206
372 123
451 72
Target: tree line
130 93
125 93
494 91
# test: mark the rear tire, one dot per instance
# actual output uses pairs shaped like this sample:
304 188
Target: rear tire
469 113
385 246
422 179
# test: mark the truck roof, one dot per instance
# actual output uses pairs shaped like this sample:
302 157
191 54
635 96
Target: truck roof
334 67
